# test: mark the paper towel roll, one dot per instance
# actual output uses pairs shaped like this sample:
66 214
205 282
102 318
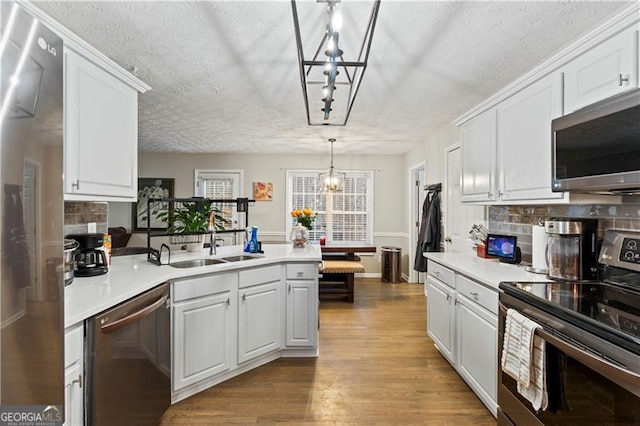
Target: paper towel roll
538 248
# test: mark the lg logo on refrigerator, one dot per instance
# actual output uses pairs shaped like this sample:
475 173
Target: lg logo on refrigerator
46 46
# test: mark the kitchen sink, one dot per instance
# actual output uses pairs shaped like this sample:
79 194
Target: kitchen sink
193 263
241 257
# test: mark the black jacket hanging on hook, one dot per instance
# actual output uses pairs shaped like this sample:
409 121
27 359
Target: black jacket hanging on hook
429 235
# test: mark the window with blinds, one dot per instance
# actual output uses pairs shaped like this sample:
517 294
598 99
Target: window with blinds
220 185
341 216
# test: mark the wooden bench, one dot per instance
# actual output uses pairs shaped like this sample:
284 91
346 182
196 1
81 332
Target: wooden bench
338 277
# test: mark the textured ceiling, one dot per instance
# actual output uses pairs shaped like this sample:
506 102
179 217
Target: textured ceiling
224 74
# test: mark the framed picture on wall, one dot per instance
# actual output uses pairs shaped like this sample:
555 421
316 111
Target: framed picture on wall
151 188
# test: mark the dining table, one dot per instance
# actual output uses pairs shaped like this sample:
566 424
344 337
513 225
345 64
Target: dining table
348 248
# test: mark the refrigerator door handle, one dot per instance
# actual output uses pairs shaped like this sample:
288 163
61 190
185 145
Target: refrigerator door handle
122 322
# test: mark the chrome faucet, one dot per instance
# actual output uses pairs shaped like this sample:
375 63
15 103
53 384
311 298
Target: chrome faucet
212 231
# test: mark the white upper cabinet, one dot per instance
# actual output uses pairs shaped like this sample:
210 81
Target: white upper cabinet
606 70
101 133
478 142
524 141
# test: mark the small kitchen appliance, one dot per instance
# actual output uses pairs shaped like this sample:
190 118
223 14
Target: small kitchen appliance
90 257
572 249
70 250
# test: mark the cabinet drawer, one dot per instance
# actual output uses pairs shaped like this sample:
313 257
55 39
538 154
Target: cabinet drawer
302 271
262 275
480 294
203 286
443 274
73 342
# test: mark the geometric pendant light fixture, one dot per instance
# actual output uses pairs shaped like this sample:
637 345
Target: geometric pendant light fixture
331 77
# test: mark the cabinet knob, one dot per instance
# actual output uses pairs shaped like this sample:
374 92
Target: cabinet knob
436 273
244 297
300 273
448 297
475 295
447 240
228 302
500 194
622 79
289 290
76 185
489 194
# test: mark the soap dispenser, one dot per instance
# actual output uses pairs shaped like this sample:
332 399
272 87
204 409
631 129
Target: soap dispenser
251 240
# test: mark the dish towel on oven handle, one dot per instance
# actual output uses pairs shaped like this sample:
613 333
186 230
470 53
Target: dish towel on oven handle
523 358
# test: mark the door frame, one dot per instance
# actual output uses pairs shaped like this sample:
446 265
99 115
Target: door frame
416 199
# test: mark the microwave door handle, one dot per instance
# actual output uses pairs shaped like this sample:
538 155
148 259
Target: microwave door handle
625 378
122 322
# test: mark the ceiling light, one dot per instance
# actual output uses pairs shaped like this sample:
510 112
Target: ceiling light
331 179
329 82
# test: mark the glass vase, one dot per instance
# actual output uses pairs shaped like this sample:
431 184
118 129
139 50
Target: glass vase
299 236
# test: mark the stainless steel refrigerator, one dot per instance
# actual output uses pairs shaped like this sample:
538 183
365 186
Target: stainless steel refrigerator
31 211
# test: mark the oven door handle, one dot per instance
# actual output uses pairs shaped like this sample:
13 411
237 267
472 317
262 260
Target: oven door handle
122 322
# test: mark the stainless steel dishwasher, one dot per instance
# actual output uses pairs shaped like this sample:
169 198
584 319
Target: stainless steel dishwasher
129 361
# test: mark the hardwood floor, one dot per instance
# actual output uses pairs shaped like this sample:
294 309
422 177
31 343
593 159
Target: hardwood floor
376 366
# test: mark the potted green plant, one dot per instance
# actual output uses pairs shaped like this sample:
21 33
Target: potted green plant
191 217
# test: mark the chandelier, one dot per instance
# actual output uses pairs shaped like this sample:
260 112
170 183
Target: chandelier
329 82
331 179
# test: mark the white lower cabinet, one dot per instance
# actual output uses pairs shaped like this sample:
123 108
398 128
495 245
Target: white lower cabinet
203 328
462 321
74 375
260 316
477 350
302 305
441 317
228 323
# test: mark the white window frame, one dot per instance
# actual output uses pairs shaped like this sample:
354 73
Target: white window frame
236 175
316 233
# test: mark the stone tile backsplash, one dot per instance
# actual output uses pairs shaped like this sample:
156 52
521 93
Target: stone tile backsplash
518 220
78 214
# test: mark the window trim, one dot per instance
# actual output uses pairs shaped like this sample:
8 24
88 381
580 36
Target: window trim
368 173
201 173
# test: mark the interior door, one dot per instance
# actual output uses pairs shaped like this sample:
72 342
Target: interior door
418 181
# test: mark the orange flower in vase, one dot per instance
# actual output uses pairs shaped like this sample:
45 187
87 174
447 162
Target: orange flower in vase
304 217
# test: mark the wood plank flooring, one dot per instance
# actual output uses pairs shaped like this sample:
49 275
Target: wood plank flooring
376 366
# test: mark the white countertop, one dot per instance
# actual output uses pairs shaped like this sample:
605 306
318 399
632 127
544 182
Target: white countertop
487 271
129 276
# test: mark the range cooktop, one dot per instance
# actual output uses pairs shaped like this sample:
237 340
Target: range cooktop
608 308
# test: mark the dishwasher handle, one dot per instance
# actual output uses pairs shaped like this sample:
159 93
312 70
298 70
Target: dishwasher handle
122 322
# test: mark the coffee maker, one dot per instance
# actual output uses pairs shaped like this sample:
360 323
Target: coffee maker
572 252
90 258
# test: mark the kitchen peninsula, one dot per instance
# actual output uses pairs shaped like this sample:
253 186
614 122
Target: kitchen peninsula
218 321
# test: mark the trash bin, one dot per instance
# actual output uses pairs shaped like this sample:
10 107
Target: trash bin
391 268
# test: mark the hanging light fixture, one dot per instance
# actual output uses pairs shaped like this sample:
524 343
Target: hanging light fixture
331 179
329 82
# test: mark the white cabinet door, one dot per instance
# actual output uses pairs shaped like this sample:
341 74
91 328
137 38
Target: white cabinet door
459 217
524 141
477 350
101 133
441 317
260 320
74 375
301 323
73 397
478 142
604 71
202 338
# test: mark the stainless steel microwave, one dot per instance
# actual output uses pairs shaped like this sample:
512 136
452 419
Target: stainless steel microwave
597 148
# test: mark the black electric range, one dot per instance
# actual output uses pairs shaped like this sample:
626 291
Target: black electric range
608 308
